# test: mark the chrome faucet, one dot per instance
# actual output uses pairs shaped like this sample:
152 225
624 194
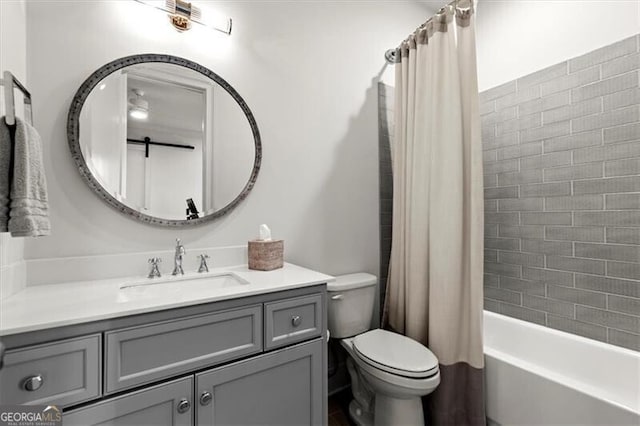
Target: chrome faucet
154 272
177 259
203 263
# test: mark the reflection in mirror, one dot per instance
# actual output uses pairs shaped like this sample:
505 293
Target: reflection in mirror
166 141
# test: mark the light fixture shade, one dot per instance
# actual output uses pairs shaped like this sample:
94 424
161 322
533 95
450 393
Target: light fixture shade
214 20
138 107
139 113
182 10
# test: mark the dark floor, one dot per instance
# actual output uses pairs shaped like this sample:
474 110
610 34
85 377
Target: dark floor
339 408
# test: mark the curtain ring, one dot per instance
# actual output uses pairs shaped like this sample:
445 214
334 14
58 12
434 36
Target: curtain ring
404 49
464 10
422 37
412 41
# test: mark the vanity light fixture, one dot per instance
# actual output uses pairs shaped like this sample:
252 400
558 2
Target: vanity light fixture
138 107
182 13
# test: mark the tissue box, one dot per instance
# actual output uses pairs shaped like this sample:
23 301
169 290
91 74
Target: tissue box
266 255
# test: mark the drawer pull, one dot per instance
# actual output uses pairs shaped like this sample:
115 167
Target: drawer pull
33 383
205 398
296 320
183 406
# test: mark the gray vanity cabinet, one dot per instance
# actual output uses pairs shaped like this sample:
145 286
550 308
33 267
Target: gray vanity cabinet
168 404
279 388
256 360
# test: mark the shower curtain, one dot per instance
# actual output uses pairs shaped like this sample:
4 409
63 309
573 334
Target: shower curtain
434 290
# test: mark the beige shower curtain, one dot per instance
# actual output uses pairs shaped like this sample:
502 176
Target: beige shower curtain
434 291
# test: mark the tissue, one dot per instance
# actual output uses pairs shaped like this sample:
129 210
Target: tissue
265 254
265 233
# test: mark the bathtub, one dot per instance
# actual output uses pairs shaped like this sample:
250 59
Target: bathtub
540 376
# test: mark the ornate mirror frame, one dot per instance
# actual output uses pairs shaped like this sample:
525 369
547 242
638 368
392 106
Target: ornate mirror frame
73 136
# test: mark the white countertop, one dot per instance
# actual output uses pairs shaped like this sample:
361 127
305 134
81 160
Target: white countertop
56 305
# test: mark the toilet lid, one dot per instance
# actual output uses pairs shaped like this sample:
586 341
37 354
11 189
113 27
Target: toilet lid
395 353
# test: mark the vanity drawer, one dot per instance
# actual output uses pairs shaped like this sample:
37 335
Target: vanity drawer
292 320
60 373
143 354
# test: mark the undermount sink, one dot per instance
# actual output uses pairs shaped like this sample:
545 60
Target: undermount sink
176 283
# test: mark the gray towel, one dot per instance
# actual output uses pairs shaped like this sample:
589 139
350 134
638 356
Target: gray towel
5 179
28 206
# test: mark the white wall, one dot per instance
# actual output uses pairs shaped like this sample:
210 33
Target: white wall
308 72
13 47
516 38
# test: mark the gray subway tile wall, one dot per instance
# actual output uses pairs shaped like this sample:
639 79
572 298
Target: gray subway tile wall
623 235
604 54
562 178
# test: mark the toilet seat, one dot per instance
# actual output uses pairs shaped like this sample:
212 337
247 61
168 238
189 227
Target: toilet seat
395 354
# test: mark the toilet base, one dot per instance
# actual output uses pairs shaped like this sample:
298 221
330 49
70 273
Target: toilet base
388 412
359 416
394 411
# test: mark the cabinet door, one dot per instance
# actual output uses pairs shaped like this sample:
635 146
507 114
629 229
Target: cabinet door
280 388
167 404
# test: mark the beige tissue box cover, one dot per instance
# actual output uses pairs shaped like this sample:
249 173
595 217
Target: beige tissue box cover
266 255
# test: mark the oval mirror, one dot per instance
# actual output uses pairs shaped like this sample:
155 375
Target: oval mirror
164 140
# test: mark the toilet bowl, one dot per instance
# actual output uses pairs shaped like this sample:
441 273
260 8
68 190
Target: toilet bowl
389 372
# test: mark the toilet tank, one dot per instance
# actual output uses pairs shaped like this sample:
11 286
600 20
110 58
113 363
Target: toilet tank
351 301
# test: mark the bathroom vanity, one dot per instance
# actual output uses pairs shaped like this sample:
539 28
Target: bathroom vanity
253 353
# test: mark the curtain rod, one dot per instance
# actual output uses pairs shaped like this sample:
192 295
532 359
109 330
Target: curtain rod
390 54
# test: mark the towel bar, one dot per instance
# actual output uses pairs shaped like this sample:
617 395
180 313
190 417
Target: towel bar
10 82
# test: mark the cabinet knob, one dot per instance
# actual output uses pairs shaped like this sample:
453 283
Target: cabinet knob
183 406
296 320
205 398
33 383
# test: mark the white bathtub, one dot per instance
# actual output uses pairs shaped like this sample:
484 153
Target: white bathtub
539 376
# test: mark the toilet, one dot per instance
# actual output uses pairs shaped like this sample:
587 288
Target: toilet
389 372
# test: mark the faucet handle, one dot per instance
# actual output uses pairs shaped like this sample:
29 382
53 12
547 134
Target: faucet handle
155 271
180 250
203 263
